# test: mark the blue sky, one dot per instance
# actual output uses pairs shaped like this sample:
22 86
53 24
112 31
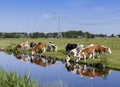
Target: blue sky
94 16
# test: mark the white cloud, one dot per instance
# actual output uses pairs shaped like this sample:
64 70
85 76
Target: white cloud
46 16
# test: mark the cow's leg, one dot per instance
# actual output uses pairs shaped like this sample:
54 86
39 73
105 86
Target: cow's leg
97 54
51 48
84 56
93 71
84 68
33 52
44 49
90 56
68 64
93 54
56 48
68 59
77 59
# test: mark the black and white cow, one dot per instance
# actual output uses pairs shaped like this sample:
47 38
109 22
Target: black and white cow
70 46
74 53
32 44
52 47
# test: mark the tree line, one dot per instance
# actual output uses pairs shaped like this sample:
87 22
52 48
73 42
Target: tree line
67 34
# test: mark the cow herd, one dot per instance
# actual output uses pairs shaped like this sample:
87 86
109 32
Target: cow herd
82 52
75 51
41 46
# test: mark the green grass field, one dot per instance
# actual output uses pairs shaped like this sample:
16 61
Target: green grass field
11 79
112 60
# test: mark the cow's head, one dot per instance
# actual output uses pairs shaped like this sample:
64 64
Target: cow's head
109 50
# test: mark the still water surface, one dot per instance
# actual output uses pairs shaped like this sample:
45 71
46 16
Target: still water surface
51 71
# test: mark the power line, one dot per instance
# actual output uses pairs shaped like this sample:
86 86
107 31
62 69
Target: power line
109 14
112 20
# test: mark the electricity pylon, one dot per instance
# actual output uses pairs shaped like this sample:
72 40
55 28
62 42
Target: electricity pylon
59 17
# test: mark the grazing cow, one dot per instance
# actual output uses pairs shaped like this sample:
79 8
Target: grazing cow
22 46
40 46
102 49
70 47
92 50
86 51
32 44
74 52
39 61
52 47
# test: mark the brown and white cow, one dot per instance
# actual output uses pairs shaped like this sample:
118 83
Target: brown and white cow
92 50
40 46
23 45
102 49
86 51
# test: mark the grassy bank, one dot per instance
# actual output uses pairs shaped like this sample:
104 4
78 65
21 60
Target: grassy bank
12 79
112 60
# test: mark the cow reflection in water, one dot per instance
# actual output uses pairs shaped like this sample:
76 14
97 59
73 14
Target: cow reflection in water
51 61
42 61
22 57
88 71
38 60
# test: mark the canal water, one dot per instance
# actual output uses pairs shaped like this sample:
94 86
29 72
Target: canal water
48 71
